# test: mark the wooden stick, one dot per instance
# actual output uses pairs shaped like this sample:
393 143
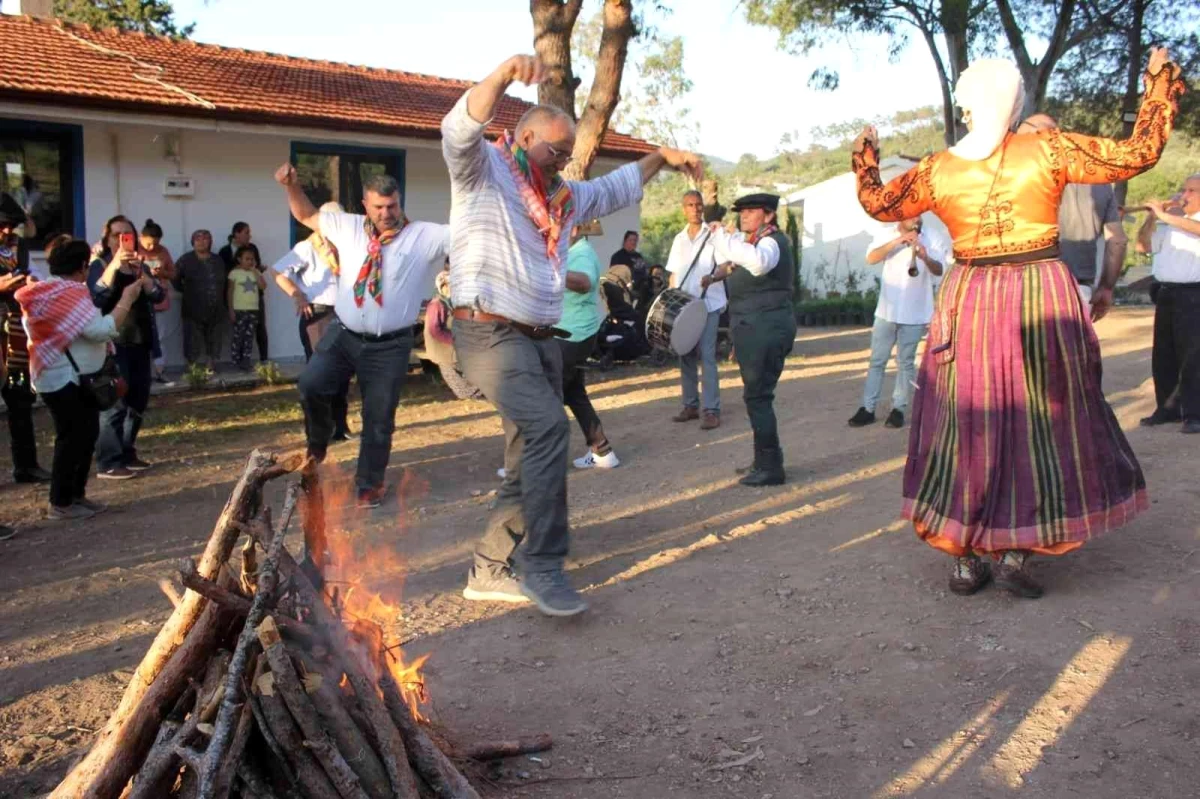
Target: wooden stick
267 582
442 776
297 701
264 728
310 777
235 602
312 514
233 756
327 699
130 730
390 745
253 781
497 750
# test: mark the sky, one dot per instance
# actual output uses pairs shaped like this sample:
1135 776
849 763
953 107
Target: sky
747 93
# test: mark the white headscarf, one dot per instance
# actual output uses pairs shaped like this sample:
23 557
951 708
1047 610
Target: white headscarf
992 91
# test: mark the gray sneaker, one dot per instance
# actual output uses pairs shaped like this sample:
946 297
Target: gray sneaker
502 586
552 593
70 512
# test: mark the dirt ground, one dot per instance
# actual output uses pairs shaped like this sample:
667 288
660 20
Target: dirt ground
801 632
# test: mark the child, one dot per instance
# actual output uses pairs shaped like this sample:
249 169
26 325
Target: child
157 259
245 282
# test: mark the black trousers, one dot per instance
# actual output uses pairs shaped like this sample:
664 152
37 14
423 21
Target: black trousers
381 368
120 424
1175 359
76 428
260 330
18 397
340 404
575 396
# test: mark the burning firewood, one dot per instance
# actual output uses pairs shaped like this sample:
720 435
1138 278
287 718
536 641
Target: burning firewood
258 687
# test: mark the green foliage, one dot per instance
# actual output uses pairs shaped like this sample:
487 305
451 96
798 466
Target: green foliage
269 373
657 234
145 16
197 376
858 309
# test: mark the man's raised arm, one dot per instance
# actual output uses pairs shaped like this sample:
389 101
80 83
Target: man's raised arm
298 203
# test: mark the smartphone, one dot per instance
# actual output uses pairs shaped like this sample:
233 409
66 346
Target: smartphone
127 242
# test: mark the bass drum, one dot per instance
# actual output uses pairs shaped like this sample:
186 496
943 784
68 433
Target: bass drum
676 322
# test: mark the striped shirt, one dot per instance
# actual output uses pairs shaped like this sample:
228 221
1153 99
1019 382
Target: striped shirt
498 260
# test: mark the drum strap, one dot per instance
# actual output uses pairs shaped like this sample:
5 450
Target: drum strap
696 259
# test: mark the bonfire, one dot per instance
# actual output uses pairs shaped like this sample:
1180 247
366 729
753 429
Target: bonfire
270 680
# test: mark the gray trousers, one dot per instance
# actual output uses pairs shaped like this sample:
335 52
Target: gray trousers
704 354
523 379
380 368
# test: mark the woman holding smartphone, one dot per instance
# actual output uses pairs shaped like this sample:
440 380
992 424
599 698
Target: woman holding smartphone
115 267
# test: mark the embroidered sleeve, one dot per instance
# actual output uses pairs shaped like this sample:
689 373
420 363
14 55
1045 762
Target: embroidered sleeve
1093 159
904 197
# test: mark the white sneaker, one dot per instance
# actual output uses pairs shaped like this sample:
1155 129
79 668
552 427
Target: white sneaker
502 473
594 461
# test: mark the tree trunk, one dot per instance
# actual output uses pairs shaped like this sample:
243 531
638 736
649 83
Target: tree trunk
553 21
949 125
606 88
1133 82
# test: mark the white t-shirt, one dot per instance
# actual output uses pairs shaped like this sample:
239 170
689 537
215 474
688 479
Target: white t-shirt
906 300
683 250
304 267
1176 254
411 261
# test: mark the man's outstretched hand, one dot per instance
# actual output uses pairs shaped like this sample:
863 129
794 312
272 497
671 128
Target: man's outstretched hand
685 162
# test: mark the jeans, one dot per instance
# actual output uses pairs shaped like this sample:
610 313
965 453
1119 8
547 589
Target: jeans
704 354
1175 358
575 393
905 339
381 367
311 330
18 398
119 425
522 378
76 427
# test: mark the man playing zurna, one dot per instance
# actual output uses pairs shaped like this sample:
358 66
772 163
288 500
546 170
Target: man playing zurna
758 270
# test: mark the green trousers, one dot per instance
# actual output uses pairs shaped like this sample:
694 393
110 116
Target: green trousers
761 343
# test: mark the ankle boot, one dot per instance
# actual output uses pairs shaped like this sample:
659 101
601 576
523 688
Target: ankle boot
768 468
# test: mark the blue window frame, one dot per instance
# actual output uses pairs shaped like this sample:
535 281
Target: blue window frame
42 167
335 172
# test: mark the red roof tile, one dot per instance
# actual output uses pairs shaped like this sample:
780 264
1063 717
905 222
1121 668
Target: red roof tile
49 61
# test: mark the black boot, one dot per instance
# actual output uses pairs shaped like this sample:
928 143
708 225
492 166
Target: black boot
768 468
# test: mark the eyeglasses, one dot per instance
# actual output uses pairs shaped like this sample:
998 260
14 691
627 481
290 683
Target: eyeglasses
559 155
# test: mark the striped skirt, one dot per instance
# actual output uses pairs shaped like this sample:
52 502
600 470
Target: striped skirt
1012 444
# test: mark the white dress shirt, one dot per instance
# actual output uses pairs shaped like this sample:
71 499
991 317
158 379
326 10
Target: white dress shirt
1176 254
410 263
683 251
305 268
757 259
89 349
905 300
498 259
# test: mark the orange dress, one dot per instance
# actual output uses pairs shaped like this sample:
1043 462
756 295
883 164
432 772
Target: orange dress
1012 444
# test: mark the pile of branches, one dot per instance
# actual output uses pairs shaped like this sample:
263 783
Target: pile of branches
256 687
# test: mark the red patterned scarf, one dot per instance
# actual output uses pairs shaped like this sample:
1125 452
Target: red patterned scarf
325 250
762 233
56 312
551 208
370 276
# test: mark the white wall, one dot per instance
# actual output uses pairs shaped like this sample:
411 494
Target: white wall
838 233
124 170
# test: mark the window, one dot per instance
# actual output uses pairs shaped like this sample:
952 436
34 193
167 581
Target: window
331 172
43 171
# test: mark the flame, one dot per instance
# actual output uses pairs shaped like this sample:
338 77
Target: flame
363 581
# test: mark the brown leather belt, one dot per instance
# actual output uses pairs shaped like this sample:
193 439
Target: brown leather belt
538 332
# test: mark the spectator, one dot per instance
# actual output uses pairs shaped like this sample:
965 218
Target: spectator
200 277
162 267
240 237
111 271
69 337
246 284
15 386
639 271
1171 233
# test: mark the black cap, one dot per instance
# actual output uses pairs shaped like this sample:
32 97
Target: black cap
11 213
768 202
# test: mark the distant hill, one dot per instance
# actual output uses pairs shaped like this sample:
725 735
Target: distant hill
719 165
